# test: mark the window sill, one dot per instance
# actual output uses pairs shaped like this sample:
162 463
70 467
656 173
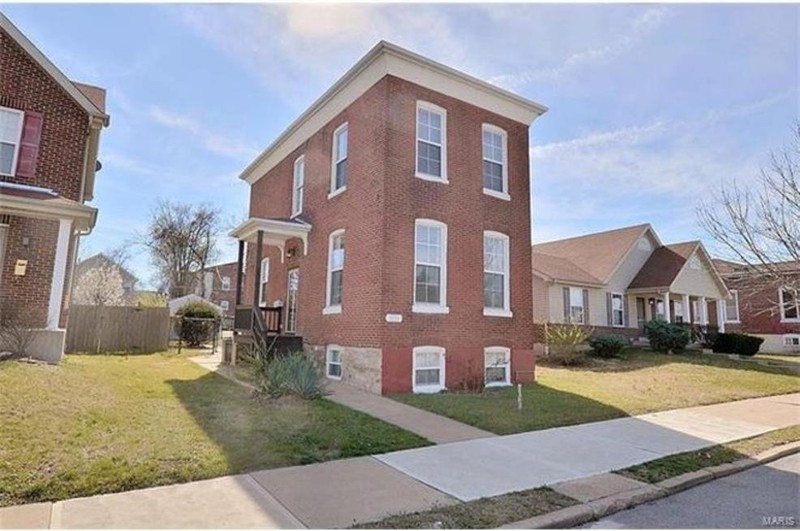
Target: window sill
330 310
428 389
498 195
498 384
432 178
790 321
430 308
337 192
331 377
733 322
496 312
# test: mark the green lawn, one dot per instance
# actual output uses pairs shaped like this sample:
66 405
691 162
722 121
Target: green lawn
97 424
641 382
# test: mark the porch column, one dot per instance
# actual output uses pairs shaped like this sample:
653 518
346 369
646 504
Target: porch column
687 311
259 254
721 315
703 311
239 273
59 273
667 316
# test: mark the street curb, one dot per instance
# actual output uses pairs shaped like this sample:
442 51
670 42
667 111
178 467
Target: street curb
586 512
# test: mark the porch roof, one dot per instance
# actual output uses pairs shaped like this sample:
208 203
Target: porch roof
43 203
663 266
276 231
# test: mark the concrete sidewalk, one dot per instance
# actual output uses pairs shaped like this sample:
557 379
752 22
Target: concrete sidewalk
340 493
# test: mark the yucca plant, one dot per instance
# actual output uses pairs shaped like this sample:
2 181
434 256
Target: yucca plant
563 342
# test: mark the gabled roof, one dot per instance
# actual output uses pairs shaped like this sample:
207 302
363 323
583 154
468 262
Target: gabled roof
663 266
87 96
558 269
382 60
598 254
99 260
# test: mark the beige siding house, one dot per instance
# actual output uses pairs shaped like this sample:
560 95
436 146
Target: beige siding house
616 281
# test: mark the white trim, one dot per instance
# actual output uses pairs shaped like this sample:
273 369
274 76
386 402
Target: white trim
785 341
328 362
3 240
622 306
15 156
430 107
275 232
59 273
298 188
584 318
505 311
426 307
263 280
782 307
493 129
333 308
735 298
442 364
334 162
382 60
507 366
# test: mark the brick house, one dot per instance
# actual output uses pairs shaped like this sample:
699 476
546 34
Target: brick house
615 281
390 229
218 285
49 135
762 306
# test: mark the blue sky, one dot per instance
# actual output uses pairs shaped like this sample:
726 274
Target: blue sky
651 106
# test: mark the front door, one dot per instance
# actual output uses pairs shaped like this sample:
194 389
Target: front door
293 284
641 318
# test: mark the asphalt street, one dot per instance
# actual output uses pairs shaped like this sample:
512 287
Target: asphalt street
765 497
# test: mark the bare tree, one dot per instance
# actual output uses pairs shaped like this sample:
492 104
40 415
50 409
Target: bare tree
100 285
758 226
181 240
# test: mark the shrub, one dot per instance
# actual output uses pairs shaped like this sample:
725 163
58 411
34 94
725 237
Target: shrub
197 322
742 344
665 337
294 374
564 342
607 345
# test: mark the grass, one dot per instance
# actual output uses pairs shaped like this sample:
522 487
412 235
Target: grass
781 358
640 382
486 513
675 465
99 424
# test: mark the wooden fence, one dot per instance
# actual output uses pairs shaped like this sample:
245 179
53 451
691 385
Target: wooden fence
117 329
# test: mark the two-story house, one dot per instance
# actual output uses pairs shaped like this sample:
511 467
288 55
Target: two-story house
218 285
49 135
618 280
390 228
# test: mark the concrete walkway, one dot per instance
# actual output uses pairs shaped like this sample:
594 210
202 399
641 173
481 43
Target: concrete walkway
340 493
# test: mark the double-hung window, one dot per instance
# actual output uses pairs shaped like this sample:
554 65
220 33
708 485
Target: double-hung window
496 274
335 272
430 266
732 308
226 283
495 163
790 305
574 298
617 310
339 158
497 366
10 134
262 282
428 369
298 185
431 142
333 362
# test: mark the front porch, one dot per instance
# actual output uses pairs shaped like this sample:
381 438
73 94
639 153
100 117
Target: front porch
693 311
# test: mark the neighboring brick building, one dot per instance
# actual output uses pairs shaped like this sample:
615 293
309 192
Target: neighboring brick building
218 285
397 208
762 306
49 135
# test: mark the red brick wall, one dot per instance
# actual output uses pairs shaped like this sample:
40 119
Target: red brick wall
218 294
758 309
25 86
378 209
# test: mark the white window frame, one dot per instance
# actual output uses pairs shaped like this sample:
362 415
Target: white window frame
696 311
430 107
505 311
298 185
507 365
735 299
334 161
333 308
427 307
328 362
15 157
583 320
621 297
493 129
226 283
225 305
782 308
3 239
414 367
677 311
788 340
263 281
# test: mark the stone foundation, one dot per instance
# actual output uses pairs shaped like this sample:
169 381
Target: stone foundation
361 367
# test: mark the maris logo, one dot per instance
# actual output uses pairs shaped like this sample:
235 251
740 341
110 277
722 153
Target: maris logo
778 521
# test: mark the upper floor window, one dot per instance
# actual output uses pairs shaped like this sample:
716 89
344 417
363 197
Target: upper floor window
495 274
617 310
10 134
226 283
335 270
495 166
431 142
262 282
732 308
575 305
298 185
790 304
430 266
339 166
